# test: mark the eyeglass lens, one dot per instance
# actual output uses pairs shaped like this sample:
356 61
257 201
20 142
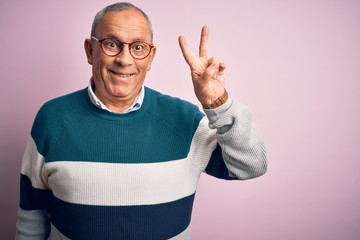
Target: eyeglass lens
113 47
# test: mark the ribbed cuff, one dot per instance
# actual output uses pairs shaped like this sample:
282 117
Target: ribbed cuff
214 113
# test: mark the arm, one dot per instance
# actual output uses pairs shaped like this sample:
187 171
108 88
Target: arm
240 151
33 221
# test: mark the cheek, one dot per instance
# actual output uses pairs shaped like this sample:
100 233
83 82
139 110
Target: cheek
142 66
147 65
99 66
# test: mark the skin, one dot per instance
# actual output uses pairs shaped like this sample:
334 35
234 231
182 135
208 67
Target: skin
119 79
207 73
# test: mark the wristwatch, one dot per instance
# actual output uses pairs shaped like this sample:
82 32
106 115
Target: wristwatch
218 102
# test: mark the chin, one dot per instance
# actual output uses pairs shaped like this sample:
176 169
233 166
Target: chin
120 93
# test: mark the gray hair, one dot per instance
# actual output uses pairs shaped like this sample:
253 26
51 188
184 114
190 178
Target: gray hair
118 7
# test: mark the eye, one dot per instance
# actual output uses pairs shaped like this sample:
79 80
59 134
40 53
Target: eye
139 46
111 44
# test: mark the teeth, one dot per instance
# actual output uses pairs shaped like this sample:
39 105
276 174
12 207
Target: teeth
124 75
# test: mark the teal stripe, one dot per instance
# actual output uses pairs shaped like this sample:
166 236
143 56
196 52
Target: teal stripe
216 166
78 221
32 198
70 128
144 222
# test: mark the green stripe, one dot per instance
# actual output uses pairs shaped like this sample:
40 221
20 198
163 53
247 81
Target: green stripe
70 128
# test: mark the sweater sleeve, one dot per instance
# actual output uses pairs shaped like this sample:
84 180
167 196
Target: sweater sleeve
33 220
240 152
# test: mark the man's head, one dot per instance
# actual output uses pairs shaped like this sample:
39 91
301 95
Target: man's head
118 79
118 7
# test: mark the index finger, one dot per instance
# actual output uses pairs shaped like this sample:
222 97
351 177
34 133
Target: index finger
188 54
203 48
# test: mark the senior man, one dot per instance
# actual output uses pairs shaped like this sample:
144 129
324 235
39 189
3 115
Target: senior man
118 160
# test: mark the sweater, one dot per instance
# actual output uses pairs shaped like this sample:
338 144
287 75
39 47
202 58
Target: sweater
91 174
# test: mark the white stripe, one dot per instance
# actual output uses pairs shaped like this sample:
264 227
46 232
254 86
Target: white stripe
32 164
97 183
202 146
120 184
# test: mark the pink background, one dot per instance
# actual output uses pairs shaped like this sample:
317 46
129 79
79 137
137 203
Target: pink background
295 63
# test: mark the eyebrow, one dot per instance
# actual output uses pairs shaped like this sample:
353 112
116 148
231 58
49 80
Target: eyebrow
139 39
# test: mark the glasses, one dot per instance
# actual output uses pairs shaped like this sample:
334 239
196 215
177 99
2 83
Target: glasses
112 47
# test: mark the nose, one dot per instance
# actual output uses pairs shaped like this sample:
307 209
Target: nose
124 58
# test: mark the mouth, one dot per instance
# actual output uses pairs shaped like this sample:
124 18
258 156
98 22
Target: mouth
122 74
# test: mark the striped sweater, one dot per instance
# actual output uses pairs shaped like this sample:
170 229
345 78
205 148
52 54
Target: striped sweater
91 174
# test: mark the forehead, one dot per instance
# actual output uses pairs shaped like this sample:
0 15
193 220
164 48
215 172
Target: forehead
125 24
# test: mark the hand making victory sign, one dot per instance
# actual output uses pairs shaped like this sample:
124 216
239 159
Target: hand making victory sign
207 73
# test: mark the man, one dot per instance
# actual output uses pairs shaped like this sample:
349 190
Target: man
118 160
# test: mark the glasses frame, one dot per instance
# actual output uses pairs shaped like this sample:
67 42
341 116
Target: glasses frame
123 43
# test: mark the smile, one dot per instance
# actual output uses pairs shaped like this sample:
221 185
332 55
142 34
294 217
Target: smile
122 75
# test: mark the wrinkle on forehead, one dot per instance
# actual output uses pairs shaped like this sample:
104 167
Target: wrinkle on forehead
126 25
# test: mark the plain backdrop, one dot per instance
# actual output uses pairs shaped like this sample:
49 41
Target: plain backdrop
296 64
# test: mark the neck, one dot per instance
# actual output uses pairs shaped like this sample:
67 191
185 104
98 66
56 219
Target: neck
116 105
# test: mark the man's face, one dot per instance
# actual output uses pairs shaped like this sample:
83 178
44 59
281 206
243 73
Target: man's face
118 79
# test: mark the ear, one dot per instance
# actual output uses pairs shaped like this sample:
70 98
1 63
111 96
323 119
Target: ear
151 57
88 51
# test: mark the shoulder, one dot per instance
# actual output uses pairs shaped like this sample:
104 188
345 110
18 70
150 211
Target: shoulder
64 102
167 104
175 114
177 118
62 105
55 109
